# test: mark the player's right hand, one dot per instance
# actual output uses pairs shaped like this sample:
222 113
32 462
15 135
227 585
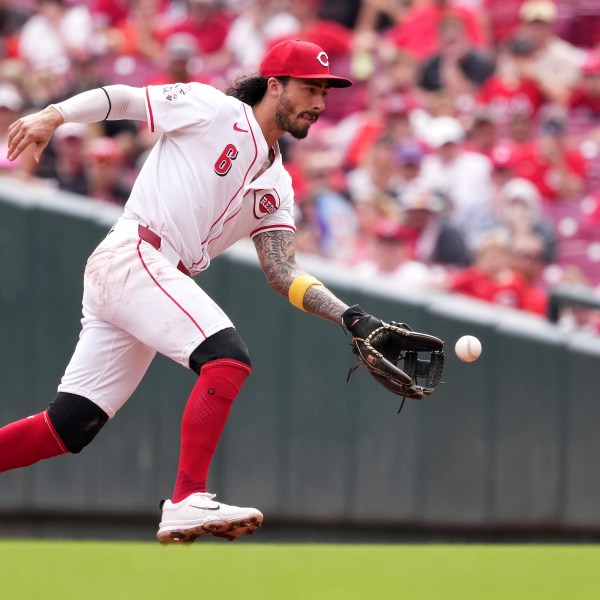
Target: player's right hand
36 128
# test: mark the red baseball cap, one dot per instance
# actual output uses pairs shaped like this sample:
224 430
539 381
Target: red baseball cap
303 60
389 229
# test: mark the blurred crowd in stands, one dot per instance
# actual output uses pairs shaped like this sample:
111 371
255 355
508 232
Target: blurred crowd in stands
466 156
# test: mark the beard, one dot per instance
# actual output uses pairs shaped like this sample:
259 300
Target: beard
284 118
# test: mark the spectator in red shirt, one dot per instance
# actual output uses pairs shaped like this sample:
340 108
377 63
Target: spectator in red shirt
333 37
206 21
557 169
512 89
491 277
109 13
387 115
502 18
528 263
12 19
418 30
389 97
138 34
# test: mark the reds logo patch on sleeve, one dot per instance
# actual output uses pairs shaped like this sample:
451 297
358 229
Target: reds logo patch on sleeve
265 204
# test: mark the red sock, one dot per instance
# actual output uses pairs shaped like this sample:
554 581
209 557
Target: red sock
28 441
203 421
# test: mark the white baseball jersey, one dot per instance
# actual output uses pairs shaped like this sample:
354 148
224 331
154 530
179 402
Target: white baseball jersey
199 191
197 188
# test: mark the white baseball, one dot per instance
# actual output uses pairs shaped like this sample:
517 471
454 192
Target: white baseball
468 348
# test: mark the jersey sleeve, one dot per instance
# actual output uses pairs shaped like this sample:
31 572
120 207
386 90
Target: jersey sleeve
274 205
177 106
282 218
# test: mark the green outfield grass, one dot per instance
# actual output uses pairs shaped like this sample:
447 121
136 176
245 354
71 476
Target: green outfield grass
213 570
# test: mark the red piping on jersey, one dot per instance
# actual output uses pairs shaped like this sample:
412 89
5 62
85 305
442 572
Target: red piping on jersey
160 287
243 181
198 263
267 227
150 110
220 234
223 229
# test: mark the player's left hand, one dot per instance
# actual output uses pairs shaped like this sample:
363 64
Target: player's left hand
380 347
36 128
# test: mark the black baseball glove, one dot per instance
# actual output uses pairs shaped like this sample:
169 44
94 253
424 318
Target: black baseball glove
381 346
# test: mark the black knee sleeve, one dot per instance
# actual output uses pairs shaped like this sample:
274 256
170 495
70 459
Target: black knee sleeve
76 419
226 343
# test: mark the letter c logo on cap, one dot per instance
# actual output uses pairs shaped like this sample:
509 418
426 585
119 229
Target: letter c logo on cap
323 59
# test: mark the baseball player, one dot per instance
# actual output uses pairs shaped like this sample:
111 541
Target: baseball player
214 176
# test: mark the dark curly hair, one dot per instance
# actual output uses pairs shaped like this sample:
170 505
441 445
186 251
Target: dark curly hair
251 89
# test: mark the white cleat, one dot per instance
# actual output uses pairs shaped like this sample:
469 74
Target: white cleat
199 514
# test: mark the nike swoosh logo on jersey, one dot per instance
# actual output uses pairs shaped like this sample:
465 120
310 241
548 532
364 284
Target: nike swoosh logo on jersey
205 507
238 128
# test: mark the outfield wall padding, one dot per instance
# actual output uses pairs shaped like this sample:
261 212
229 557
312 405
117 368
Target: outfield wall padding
508 441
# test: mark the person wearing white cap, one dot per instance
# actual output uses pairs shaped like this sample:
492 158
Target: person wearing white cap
519 211
462 176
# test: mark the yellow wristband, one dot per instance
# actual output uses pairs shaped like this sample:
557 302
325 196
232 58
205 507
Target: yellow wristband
298 289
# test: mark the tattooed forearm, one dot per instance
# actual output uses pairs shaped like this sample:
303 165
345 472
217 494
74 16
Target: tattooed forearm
323 303
277 256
